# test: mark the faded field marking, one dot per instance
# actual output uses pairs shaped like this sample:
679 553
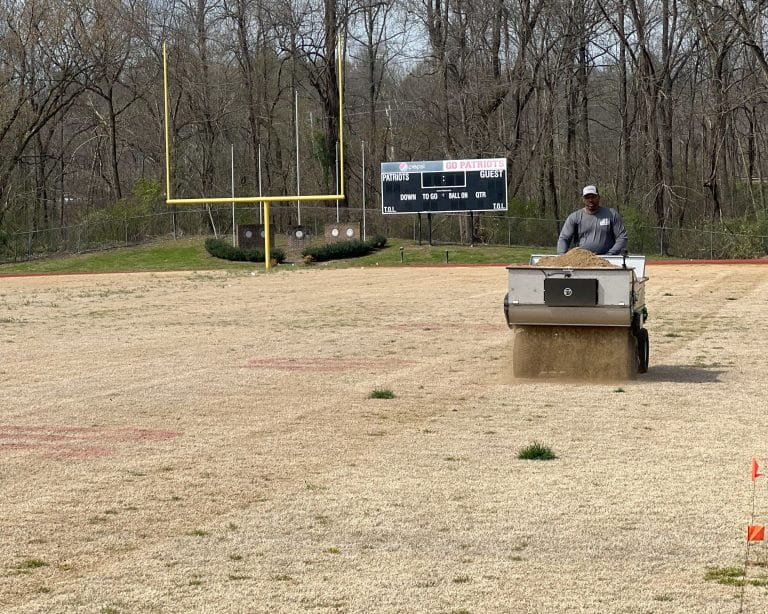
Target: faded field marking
323 364
74 442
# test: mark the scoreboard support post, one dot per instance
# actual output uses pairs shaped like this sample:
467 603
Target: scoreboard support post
419 214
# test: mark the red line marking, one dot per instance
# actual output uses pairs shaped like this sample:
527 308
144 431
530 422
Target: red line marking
321 364
64 273
752 261
77 442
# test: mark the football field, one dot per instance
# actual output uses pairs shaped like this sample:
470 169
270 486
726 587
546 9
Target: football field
205 442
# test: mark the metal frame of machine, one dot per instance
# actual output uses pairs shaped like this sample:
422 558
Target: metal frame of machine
581 297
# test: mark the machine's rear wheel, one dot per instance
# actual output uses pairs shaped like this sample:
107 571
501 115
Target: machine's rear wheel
643 351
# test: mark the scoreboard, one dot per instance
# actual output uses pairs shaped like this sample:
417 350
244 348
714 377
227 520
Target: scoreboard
444 186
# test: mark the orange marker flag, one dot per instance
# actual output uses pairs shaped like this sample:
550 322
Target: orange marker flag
755 532
755 474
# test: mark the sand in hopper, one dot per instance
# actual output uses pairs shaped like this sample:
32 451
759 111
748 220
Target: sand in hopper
591 353
576 258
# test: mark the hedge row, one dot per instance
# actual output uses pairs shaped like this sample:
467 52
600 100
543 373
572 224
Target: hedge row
221 249
344 249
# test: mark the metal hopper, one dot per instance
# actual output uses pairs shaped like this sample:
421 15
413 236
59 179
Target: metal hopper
571 319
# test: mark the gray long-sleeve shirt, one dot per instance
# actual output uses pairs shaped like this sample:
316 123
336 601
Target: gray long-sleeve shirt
601 232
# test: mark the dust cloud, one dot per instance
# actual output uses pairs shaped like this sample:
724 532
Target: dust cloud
587 353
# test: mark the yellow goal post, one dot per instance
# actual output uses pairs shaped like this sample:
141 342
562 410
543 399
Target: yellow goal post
231 200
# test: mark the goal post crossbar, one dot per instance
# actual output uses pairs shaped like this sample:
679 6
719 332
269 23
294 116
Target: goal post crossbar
228 200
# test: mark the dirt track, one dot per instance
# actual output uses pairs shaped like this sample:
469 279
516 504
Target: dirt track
204 442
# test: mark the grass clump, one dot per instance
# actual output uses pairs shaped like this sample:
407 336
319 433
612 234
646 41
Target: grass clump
198 533
733 576
461 579
31 564
381 393
730 576
536 451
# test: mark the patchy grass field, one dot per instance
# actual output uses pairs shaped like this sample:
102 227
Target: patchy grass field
176 442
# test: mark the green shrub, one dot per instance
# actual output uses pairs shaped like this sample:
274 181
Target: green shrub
744 237
127 219
640 228
226 251
344 249
378 241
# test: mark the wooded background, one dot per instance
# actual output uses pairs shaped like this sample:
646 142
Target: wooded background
663 104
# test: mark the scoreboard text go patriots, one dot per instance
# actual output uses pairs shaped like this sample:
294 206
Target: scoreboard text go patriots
444 186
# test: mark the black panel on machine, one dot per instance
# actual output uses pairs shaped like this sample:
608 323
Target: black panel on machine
570 292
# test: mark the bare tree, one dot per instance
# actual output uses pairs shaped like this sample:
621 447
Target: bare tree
655 27
40 64
718 38
109 50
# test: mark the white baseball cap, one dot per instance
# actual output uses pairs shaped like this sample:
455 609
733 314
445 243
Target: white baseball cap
589 189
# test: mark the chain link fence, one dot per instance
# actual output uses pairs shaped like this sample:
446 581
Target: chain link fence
708 241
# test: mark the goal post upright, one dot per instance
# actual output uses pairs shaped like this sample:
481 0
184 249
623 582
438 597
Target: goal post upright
340 79
265 200
166 126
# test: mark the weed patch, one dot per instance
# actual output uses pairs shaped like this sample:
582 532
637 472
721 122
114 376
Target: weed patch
31 564
198 533
381 393
536 451
733 576
461 580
